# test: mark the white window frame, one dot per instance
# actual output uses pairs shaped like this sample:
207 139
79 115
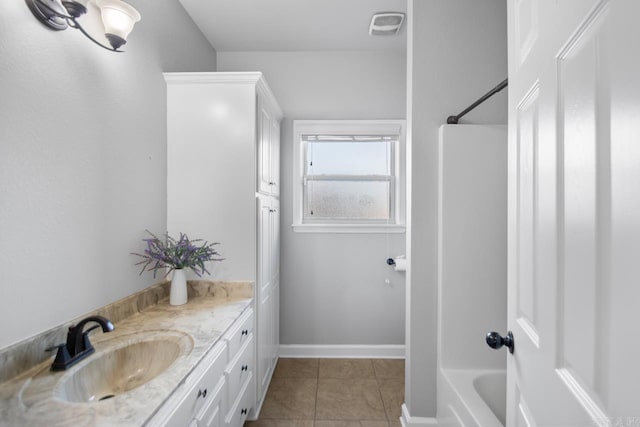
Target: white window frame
396 223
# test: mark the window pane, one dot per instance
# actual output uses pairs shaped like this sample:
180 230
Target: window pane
348 158
347 200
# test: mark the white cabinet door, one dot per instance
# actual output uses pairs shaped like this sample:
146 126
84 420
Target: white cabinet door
264 242
274 260
274 154
574 213
274 233
265 342
268 310
268 151
270 334
275 322
268 241
265 182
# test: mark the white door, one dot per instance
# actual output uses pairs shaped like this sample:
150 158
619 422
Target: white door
574 213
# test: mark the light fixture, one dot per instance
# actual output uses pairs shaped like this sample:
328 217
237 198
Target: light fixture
118 18
386 24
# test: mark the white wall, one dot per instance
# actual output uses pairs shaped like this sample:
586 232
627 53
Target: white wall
332 285
82 160
457 51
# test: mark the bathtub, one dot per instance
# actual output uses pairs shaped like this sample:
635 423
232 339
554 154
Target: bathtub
471 398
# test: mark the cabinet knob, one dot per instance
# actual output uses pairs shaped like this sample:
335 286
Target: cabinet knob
244 367
202 393
244 411
245 332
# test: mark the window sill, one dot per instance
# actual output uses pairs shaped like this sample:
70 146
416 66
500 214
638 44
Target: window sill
349 228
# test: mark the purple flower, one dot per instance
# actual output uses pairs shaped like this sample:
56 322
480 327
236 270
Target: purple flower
175 254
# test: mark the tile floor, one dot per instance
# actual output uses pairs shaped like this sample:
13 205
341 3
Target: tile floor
334 393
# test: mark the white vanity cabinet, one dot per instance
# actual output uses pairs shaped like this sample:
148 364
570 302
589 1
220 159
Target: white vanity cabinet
223 185
220 391
240 370
202 398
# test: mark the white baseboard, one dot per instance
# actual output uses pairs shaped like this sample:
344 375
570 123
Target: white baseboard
344 351
406 420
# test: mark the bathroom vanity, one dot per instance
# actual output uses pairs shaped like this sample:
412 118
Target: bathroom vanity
189 365
219 391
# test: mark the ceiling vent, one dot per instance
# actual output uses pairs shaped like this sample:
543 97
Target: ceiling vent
386 24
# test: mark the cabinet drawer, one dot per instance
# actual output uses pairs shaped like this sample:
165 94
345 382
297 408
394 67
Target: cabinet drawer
239 369
206 383
240 333
213 409
240 409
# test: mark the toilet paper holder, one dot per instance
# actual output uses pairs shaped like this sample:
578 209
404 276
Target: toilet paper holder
398 263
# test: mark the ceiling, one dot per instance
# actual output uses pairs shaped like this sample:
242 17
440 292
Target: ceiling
293 25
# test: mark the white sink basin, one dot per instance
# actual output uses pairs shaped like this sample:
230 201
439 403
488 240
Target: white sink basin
123 366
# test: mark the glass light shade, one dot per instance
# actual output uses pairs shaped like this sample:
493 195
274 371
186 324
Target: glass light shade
118 17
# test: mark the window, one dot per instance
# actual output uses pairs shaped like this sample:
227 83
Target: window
347 176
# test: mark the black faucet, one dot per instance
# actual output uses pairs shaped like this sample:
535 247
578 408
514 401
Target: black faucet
78 345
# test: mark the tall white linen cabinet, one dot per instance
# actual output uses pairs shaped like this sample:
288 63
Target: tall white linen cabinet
223 185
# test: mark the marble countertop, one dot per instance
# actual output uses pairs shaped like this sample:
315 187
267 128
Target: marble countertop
34 397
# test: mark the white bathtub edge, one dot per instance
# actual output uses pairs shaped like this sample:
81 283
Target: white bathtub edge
456 392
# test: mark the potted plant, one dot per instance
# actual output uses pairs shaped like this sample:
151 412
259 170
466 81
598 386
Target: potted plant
176 255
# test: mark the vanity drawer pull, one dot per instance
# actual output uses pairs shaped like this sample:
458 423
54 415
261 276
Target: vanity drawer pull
238 335
202 393
244 368
244 411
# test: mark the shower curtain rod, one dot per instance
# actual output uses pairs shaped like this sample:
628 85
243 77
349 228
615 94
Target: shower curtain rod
453 120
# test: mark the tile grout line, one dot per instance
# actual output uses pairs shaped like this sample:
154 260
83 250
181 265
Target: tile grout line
315 404
384 407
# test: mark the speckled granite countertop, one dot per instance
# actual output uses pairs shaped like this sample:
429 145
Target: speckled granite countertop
35 398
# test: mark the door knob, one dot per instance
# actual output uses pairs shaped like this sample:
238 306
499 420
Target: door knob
496 341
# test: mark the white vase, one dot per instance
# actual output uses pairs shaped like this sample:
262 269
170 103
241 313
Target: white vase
178 294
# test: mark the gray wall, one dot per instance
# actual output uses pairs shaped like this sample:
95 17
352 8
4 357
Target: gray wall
332 285
473 244
82 160
457 51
